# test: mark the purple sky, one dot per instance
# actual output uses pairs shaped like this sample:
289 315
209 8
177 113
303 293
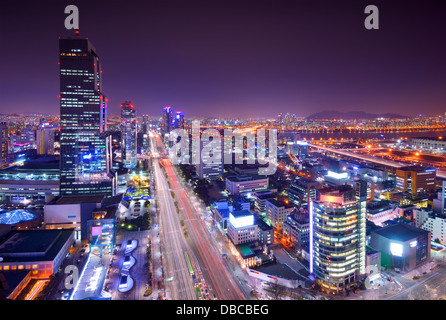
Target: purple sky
234 58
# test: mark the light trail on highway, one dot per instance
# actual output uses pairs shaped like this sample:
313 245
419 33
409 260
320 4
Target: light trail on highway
173 242
211 262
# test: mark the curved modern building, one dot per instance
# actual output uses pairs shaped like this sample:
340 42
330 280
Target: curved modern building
335 239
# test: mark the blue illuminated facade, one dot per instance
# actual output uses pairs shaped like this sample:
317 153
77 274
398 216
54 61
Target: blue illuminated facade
85 147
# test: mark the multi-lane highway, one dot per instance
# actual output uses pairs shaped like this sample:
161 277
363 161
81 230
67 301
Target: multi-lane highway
173 245
208 264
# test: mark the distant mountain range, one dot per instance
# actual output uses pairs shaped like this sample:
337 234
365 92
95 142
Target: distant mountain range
330 114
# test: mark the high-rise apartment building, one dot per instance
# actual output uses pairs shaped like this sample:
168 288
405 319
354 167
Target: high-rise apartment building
128 134
85 147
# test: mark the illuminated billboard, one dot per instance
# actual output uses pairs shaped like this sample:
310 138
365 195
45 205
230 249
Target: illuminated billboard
241 221
396 249
337 175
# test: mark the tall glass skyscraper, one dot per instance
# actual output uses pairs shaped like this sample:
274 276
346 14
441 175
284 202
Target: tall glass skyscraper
85 147
128 134
166 123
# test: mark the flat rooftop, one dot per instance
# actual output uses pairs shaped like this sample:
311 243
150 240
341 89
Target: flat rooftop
246 177
33 245
280 203
80 199
279 270
400 232
241 213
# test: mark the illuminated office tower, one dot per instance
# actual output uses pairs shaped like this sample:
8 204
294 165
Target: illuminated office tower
166 122
415 179
178 121
128 134
335 246
45 140
85 148
4 144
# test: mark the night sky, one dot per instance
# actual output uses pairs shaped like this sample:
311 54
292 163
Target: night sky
235 59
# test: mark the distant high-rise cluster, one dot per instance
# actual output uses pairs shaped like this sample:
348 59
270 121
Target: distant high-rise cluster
171 121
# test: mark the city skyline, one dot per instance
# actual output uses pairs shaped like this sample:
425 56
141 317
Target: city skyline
224 59
179 161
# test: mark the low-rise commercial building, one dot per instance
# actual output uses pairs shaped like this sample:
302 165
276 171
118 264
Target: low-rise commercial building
34 180
39 251
403 247
380 211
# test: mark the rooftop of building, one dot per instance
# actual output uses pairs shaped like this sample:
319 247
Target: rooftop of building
245 251
241 213
303 181
77 199
264 194
378 206
33 245
44 163
300 216
224 213
280 203
113 201
262 224
280 270
400 232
